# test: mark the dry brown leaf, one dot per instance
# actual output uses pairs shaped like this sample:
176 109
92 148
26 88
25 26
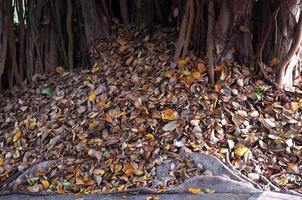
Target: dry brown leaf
168 74
202 68
168 115
95 69
128 169
60 69
196 75
102 104
218 87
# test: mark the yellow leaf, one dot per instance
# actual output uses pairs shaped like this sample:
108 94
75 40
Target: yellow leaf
201 68
240 150
17 135
139 172
32 125
195 190
168 115
92 96
161 190
152 198
95 69
150 136
1 160
196 75
274 61
45 183
102 104
60 70
183 61
296 105
218 87
223 150
117 167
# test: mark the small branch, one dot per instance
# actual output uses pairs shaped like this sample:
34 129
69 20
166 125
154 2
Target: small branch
295 45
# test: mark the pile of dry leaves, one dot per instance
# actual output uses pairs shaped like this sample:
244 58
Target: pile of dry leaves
111 127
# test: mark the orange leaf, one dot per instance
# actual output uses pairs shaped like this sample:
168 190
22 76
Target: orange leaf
168 115
196 75
218 87
194 190
102 104
274 61
128 169
1 160
201 68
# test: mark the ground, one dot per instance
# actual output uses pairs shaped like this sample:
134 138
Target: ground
115 126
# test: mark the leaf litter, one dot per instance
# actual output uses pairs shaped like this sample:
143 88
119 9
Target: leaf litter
111 128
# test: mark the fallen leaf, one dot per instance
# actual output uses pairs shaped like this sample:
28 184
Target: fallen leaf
1 160
95 69
152 198
60 69
128 169
45 183
150 136
32 125
296 105
201 68
194 190
92 96
102 104
168 74
47 91
17 135
218 87
183 61
168 115
196 75
171 126
139 172
240 150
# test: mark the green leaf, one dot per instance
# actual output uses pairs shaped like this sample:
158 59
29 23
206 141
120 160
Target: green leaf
66 185
47 91
258 95
31 181
106 153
